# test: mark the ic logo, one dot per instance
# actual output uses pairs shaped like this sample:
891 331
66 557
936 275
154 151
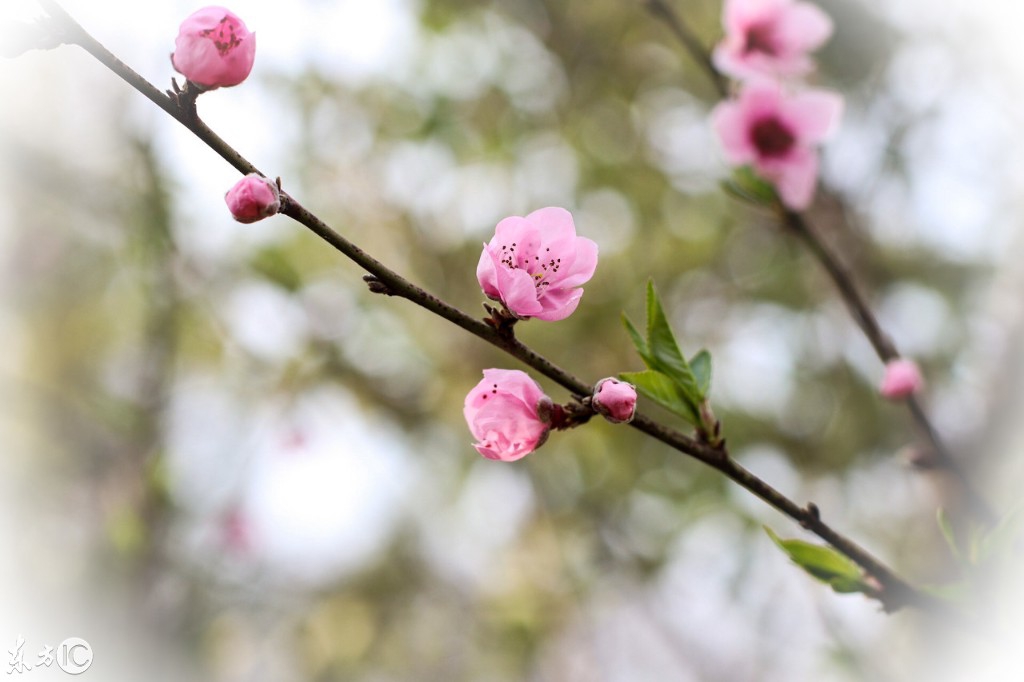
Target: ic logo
74 655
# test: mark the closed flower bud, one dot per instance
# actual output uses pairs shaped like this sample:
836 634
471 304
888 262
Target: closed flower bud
902 379
615 400
214 49
253 198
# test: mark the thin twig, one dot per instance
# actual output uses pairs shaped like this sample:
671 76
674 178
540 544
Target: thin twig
862 314
893 593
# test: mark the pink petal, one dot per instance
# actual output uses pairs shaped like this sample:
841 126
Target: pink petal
795 178
731 125
486 274
516 289
738 15
584 263
813 114
761 98
559 304
553 222
803 28
517 383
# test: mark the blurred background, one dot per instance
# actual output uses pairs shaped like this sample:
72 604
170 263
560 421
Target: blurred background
225 460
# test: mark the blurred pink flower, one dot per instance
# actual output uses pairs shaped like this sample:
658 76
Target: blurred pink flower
214 49
535 265
615 400
770 38
253 198
502 415
776 133
902 379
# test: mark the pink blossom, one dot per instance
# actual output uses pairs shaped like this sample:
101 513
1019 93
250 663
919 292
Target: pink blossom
214 49
615 399
902 379
502 415
776 132
253 198
535 265
770 37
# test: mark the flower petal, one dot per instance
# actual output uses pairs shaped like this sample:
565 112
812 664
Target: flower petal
813 114
795 178
803 28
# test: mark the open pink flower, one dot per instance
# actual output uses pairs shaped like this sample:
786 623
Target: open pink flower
253 198
214 49
502 415
770 37
776 133
535 265
615 400
902 379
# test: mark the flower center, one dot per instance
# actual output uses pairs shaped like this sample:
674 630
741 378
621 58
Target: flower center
760 39
771 137
223 36
540 266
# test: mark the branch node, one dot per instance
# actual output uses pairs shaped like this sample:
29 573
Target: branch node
812 516
501 320
376 286
184 99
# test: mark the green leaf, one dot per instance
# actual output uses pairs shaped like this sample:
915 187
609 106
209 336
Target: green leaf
638 341
733 189
753 187
824 564
662 390
664 350
701 366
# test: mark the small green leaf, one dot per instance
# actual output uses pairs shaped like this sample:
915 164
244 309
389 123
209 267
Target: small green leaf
638 341
662 390
664 350
824 564
753 187
701 366
733 189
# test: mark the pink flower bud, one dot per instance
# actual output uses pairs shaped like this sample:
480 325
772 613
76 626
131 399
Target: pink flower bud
770 38
535 265
615 400
253 198
776 132
214 49
902 379
502 415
